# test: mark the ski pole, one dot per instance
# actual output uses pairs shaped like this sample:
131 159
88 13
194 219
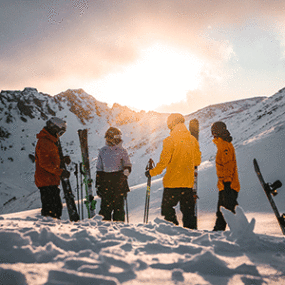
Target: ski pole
127 210
77 187
149 166
81 189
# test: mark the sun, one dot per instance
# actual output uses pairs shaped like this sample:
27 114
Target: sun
162 75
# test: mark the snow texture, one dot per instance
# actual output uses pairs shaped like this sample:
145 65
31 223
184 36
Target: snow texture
39 250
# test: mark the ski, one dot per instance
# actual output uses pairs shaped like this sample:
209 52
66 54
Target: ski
89 200
149 166
194 130
271 190
68 195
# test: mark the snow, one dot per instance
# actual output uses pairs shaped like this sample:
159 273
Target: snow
40 250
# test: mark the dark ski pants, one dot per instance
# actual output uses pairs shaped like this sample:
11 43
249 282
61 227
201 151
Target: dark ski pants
227 199
112 206
171 197
51 201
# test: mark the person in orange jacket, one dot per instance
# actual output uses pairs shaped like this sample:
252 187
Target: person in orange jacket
227 172
180 154
48 171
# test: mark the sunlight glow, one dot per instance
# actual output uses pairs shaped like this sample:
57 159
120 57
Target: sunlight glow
162 75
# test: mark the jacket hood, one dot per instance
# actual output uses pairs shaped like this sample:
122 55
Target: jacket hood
119 145
45 134
180 130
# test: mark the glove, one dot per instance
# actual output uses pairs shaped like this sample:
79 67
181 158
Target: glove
90 197
147 174
67 159
65 174
127 172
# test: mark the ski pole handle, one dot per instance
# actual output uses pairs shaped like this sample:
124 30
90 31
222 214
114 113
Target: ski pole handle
150 164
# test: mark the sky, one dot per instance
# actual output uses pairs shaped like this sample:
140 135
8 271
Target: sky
163 55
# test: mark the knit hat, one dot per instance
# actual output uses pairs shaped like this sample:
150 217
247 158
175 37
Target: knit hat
113 136
219 130
174 119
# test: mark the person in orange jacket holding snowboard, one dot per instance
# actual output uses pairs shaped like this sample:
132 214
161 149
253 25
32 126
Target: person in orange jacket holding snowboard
48 171
180 154
227 172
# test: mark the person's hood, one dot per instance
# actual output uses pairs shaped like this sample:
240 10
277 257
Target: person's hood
180 130
45 134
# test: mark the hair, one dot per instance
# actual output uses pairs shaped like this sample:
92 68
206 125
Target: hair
219 130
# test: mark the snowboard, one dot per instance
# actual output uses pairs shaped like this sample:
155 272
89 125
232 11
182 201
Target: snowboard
90 204
194 130
271 190
68 195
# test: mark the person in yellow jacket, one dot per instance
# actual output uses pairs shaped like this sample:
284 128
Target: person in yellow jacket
180 154
227 172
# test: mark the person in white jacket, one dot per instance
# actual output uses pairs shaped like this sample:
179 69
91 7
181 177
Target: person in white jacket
112 171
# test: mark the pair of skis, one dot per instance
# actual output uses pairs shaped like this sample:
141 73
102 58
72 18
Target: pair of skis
90 203
68 195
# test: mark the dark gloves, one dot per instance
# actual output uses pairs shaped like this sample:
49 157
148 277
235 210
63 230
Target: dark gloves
147 174
65 174
67 159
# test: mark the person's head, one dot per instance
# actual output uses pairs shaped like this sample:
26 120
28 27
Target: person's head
113 136
219 130
56 126
174 119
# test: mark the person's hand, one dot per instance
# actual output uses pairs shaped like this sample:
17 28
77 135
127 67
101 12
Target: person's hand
91 197
126 172
67 159
147 174
65 174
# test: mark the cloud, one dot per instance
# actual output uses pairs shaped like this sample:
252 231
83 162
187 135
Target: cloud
58 45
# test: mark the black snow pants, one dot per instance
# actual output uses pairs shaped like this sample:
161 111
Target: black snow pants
171 197
227 199
113 190
51 201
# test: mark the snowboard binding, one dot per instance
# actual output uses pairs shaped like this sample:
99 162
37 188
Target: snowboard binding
274 186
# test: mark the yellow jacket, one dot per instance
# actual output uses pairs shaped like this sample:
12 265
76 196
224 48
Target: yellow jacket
180 154
226 164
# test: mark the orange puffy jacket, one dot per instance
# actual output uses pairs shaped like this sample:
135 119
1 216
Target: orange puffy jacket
48 169
226 164
180 154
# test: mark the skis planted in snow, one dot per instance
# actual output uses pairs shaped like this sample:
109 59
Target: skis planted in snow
194 130
271 190
68 195
89 199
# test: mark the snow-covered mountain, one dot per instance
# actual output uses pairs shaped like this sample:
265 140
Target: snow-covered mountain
256 124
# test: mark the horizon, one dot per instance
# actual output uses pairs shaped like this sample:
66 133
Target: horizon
138 110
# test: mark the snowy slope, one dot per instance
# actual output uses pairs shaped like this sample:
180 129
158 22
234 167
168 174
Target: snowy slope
257 126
